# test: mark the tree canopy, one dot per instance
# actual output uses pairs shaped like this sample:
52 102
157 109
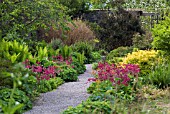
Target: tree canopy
21 18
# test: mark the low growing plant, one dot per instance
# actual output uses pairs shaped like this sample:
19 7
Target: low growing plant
68 74
160 75
84 47
90 107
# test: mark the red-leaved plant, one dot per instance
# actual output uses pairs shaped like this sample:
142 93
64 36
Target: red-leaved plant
118 75
47 72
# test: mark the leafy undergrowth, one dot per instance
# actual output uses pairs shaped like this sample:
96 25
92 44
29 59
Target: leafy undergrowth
117 89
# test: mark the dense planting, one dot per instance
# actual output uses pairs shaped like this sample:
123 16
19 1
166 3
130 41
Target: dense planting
43 45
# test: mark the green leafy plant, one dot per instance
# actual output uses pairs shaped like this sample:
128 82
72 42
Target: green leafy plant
65 52
55 82
103 52
90 107
29 86
142 41
14 101
17 23
160 75
78 66
119 52
83 47
5 66
10 99
55 44
41 53
68 74
161 35
95 57
14 51
80 57
44 86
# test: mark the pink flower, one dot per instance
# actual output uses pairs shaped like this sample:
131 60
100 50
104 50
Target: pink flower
46 77
28 66
37 69
111 72
92 79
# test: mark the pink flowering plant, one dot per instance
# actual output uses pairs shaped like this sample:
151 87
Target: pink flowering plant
123 78
118 75
41 71
50 68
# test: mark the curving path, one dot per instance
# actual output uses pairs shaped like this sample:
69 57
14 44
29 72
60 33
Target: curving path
68 94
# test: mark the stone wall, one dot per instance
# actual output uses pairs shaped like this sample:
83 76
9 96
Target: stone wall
93 15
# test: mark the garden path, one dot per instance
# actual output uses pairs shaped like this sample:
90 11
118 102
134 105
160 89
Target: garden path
68 94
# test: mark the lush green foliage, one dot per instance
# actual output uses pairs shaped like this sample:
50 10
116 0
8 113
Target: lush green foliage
160 75
68 74
19 97
83 47
75 6
23 21
14 51
80 57
5 66
65 52
119 52
49 85
79 67
142 41
95 57
90 107
55 44
161 35
116 55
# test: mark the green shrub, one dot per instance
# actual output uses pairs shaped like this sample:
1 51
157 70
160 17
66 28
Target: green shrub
79 57
29 86
115 60
19 96
65 52
103 52
160 75
95 57
80 68
94 66
90 107
49 85
68 74
44 86
5 66
59 81
119 52
55 44
161 35
142 41
14 51
83 47
55 82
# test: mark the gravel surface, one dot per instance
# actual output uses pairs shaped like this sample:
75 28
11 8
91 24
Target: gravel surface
68 94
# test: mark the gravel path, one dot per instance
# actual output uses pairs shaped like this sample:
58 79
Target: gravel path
68 94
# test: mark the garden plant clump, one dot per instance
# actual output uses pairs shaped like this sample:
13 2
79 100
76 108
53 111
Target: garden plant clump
45 44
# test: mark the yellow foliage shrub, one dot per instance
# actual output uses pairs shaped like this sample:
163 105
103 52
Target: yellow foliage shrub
146 59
